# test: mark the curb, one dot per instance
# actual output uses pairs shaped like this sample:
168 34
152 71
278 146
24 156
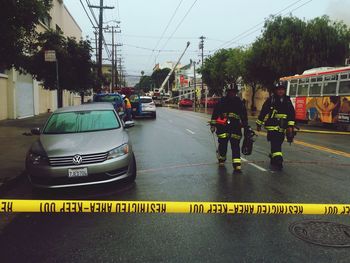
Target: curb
324 132
9 182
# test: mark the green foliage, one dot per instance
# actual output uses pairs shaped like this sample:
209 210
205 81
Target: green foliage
18 21
145 83
223 68
159 75
289 46
75 67
156 79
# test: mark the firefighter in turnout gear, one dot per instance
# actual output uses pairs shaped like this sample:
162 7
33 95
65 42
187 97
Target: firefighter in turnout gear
228 118
278 118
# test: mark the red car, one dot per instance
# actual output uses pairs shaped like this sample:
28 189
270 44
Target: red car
211 102
185 103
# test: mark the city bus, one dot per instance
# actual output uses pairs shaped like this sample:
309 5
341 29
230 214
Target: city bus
321 95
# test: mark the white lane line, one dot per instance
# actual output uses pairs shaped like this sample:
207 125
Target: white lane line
192 132
255 165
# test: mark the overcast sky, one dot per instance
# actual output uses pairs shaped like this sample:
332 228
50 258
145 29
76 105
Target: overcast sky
220 21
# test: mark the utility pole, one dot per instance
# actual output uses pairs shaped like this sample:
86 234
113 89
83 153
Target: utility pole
201 46
113 53
194 83
96 48
100 34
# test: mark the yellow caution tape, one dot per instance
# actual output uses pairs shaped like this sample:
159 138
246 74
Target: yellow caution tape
80 206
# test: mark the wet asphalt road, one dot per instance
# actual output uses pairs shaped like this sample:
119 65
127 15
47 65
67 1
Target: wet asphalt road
176 162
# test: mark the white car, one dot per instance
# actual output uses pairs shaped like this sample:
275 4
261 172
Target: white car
148 107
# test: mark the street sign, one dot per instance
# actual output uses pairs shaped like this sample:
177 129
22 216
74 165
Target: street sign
50 55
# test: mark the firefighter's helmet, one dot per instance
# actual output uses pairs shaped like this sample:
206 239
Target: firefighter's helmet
280 85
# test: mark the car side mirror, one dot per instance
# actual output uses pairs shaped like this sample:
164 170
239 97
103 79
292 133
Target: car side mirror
35 131
129 124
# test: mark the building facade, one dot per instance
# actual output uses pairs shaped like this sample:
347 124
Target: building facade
22 96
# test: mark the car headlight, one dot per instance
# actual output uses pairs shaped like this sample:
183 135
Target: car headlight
118 152
37 159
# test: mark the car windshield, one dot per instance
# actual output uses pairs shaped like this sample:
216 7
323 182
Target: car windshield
108 98
81 121
146 100
134 98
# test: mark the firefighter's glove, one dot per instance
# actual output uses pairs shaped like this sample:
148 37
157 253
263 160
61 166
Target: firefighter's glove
212 129
258 127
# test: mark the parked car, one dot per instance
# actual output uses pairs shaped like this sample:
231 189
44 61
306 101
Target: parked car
81 145
211 102
143 106
114 98
185 103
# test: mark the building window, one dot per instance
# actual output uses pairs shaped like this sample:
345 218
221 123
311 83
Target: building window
46 20
58 29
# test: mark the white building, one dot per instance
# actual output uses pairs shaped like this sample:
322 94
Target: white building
22 96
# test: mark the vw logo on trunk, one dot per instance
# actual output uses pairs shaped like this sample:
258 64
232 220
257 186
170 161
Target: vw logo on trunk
77 159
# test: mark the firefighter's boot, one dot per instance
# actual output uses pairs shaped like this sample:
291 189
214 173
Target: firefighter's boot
221 161
276 163
237 169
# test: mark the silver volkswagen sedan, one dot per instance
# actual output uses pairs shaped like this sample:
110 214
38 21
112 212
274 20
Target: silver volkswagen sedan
81 145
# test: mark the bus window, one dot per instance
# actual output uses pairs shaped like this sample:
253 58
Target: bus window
331 77
330 88
303 90
319 79
313 80
305 80
315 89
293 90
344 87
344 76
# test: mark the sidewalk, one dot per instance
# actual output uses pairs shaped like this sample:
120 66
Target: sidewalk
14 146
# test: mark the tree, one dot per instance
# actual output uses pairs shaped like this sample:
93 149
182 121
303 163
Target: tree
158 76
213 71
222 69
234 65
75 67
289 46
145 83
81 77
18 21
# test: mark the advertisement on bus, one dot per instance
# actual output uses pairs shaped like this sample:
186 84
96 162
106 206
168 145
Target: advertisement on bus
328 109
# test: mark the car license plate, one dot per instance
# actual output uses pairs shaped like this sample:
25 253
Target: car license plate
77 172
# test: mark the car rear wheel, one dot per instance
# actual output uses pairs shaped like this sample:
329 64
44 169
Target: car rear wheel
154 115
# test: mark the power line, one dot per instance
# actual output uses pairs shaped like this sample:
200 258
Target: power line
177 27
282 15
165 29
253 27
81 2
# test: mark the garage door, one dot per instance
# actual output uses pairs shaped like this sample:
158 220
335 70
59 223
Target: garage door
25 96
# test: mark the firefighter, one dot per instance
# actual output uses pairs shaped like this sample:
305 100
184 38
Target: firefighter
128 108
278 118
228 118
